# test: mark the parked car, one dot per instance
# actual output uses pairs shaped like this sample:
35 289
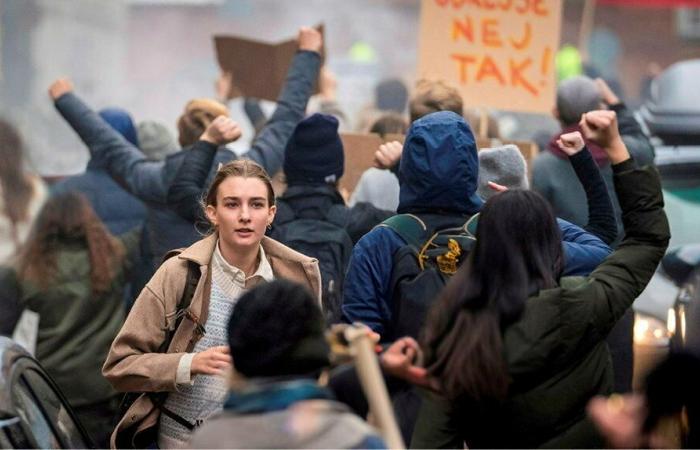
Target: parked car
672 119
33 411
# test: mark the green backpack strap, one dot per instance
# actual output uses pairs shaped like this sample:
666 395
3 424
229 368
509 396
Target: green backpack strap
471 225
409 227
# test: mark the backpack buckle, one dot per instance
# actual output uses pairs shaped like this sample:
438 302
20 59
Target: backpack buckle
447 263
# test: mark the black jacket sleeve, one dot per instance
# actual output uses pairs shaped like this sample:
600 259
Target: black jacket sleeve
187 189
601 217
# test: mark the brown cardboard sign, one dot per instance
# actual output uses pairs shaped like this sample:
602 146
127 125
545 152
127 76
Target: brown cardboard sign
258 68
359 156
499 53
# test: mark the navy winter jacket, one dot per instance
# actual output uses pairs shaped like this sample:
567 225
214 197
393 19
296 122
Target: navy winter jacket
438 175
150 180
119 210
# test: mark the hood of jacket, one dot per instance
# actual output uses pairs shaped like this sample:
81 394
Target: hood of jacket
121 121
439 167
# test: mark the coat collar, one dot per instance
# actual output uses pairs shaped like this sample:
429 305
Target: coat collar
201 251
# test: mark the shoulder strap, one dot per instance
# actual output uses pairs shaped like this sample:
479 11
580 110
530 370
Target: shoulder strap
409 227
193 275
471 224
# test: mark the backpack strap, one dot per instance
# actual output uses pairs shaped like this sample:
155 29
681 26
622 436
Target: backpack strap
411 229
471 225
191 282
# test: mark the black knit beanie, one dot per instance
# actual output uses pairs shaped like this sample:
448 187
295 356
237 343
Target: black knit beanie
314 153
277 329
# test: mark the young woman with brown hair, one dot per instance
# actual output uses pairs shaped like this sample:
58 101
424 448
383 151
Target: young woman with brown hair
235 257
71 272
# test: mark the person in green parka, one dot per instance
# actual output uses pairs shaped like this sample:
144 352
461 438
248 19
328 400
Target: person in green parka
514 351
71 272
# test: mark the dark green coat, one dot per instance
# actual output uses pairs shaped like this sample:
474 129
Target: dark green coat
76 328
556 354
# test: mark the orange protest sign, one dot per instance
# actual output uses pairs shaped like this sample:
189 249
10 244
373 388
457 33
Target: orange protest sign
499 53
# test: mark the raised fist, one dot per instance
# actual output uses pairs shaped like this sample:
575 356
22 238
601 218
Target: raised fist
310 39
221 131
60 87
600 127
571 143
388 155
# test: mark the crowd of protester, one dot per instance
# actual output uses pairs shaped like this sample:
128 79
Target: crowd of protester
183 302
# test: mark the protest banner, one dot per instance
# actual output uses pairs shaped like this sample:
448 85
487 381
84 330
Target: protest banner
258 68
498 53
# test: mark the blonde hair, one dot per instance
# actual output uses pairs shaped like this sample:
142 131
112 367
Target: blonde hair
432 96
239 168
198 114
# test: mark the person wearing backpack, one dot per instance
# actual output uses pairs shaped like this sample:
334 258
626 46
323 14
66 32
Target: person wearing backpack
312 217
439 178
173 346
515 349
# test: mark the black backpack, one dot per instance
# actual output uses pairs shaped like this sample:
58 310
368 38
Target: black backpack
422 268
321 235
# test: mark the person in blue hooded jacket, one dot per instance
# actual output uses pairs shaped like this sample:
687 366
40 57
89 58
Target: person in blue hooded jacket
119 210
438 177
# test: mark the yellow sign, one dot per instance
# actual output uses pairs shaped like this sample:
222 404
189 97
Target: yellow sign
499 53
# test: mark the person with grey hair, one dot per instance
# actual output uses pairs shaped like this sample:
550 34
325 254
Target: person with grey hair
155 140
554 177
504 166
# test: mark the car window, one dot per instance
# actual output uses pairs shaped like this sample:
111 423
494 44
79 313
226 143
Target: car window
31 415
54 409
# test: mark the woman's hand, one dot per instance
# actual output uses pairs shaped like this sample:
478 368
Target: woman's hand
401 361
571 143
60 87
601 127
388 155
212 361
221 131
310 39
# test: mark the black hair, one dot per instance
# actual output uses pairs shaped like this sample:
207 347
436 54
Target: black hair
277 329
517 252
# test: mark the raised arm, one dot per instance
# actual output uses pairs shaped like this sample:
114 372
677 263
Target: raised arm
124 161
601 217
625 273
186 190
268 148
632 135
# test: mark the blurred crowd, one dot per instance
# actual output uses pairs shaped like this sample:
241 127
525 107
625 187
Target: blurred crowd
185 294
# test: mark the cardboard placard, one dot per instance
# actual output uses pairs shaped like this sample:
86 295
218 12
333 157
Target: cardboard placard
258 68
359 156
498 53
359 151
360 148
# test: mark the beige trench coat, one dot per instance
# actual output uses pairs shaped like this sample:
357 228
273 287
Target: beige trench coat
133 364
